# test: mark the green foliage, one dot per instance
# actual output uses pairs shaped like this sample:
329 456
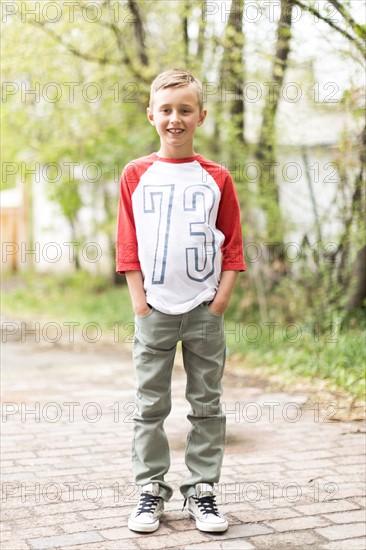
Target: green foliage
76 297
66 194
337 356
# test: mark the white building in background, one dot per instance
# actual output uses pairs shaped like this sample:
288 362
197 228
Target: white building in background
310 132
35 234
12 226
57 247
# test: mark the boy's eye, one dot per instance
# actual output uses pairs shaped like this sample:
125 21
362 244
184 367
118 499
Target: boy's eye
184 111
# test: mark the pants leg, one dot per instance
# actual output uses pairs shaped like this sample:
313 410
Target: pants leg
203 345
155 341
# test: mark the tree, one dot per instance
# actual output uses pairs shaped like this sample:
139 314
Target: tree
354 32
117 54
265 151
232 74
353 234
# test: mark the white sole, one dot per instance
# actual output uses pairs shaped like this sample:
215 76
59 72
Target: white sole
210 527
143 527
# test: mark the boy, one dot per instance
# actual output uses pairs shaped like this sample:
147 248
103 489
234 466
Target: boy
179 244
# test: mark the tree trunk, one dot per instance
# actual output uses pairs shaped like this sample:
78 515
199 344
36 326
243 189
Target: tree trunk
186 10
358 296
201 34
139 32
265 152
232 72
75 240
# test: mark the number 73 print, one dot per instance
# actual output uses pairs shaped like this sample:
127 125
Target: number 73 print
200 200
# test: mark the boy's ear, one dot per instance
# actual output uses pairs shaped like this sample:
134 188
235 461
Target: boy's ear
202 117
150 116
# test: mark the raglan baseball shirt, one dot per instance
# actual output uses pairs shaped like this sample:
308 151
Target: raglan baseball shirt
179 223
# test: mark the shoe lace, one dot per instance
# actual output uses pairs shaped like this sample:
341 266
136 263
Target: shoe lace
147 504
206 504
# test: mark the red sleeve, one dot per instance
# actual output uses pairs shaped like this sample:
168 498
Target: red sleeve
126 242
228 221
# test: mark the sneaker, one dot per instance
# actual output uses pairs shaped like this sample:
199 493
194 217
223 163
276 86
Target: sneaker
202 507
145 517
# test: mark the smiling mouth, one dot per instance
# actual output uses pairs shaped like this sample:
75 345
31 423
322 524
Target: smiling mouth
175 131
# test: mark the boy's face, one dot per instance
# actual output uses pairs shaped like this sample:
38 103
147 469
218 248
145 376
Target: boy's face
175 114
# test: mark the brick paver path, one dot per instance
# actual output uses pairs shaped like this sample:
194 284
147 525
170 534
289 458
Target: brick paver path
292 478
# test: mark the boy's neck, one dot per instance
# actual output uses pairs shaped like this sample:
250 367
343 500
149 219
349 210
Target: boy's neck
167 153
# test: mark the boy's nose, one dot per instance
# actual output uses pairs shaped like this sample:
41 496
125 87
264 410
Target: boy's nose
174 118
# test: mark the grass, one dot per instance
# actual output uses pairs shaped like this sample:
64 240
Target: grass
334 354
341 362
77 297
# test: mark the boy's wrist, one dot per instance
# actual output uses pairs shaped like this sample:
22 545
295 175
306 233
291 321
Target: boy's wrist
141 309
218 306
221 301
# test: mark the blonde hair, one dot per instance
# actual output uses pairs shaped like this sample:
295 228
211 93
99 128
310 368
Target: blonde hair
176 78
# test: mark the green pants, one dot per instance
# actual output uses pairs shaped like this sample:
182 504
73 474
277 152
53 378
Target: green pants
203 345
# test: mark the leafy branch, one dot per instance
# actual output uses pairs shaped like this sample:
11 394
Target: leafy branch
356 28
